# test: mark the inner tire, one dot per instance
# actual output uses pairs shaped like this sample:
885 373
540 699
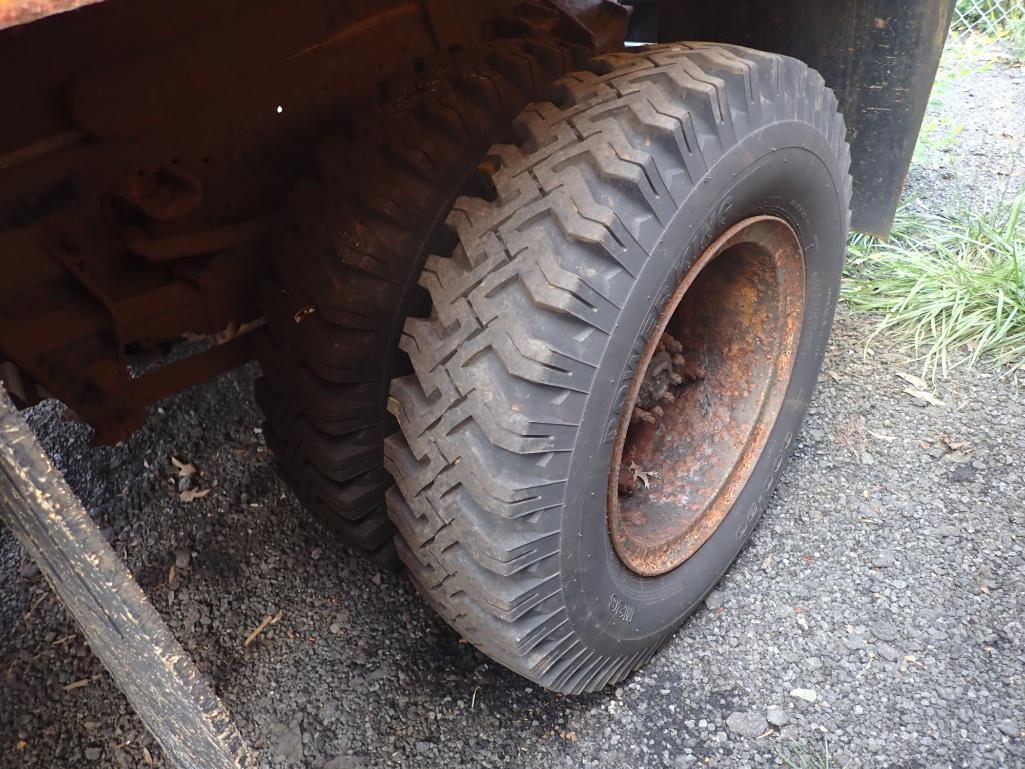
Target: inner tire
345 270
540 321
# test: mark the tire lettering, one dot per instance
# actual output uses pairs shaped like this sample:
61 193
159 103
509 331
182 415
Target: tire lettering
620 609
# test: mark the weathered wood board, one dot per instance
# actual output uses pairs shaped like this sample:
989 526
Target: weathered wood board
123 629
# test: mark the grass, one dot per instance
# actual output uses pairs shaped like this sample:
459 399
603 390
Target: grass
803 757
951 284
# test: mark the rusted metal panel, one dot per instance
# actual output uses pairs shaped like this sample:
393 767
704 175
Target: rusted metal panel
880 58
155 146
124 631
14 12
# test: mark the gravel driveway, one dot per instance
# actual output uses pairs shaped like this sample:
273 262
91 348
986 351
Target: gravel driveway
880 607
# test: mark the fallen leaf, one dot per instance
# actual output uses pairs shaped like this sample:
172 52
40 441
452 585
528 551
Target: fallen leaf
147 757
767 563
644 476
953 445
190 494
172 573
77 684
20 745
185 469
571 736
915 381
926 396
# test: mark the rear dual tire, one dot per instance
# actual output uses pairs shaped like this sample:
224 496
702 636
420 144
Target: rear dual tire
508 424
345 271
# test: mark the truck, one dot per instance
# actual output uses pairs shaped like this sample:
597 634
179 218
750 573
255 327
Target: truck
538 292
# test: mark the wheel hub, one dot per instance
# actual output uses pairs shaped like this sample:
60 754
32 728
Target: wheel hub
708 390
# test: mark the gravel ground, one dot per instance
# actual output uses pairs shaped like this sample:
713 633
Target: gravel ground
879 606
976 131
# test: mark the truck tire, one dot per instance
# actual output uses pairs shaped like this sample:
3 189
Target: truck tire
345 273
672 222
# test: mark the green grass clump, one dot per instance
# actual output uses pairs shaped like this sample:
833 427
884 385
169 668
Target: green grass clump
954 284
802 757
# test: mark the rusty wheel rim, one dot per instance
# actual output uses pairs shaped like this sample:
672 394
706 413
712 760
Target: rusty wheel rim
709 388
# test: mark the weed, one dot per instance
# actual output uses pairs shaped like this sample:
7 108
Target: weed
802 757
952 283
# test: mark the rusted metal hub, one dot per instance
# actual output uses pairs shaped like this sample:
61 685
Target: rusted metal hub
708 390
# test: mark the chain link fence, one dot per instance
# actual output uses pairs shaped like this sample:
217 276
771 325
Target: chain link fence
993 18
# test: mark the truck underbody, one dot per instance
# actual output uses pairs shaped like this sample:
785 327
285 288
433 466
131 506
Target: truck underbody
143 168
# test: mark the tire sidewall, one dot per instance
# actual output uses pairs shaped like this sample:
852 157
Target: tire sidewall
787 169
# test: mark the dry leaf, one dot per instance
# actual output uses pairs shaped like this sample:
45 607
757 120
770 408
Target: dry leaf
571 736
185 469
20 745
172 573
953 445
77 684
190 494
914 381
147 757
926 396
767 563
644 476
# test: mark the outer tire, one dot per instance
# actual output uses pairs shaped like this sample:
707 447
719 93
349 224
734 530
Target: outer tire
502 461
345 274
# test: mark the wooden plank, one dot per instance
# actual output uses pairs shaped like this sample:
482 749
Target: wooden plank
123 629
